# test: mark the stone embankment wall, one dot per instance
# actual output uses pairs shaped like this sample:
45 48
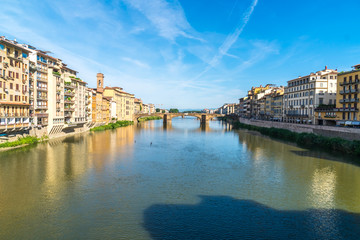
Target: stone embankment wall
327 131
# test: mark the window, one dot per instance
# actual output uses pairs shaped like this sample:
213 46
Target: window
11 85
321 100
330 101
2 47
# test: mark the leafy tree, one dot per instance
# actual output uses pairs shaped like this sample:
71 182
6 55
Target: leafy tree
163 111
157 110
173 110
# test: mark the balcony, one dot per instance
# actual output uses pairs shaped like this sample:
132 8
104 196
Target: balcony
42 80
354 90
297 115
348 83
68 93
58 84
42 115
67 115
42 107
69 109
42 89
348 109
56 74
44 98
69 101
58 100
43 70
67 85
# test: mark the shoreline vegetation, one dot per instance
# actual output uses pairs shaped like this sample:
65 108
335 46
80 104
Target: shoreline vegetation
117 124
22 141
149 118
306 140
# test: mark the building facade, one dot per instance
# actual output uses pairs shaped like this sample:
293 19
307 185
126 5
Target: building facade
14 87
346 111
304 94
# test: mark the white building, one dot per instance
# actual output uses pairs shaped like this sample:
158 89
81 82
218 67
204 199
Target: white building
302 95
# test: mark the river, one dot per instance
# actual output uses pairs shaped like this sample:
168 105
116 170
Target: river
179 181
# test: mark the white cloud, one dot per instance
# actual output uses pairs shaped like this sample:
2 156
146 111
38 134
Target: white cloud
136 62
168 19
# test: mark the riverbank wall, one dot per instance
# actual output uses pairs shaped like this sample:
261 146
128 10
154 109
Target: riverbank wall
326 131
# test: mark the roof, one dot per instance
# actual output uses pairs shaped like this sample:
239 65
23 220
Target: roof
64 66
13 44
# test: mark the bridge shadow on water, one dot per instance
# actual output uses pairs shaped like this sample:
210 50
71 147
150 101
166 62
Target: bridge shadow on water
222 217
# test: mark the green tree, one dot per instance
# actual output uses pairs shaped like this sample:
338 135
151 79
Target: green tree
173 110
157 110
163 111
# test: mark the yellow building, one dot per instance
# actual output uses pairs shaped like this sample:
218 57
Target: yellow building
346 111
106 109
277 106
14 86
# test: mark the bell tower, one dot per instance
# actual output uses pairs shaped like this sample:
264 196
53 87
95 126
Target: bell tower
100 82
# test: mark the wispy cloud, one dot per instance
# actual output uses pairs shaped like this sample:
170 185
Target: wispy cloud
168 19
230 39
136 62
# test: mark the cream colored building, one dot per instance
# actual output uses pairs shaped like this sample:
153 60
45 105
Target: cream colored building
302 95
124 102
14 87
145 109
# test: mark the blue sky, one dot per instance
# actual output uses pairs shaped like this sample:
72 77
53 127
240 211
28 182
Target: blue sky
189 53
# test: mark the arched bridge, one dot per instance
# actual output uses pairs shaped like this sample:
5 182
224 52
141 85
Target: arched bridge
167 117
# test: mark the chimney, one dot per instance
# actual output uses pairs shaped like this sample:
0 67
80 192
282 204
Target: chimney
100 82
325 67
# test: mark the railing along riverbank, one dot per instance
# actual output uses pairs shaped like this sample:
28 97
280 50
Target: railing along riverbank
307 140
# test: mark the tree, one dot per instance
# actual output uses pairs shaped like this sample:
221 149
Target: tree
173 110
157 110
163 111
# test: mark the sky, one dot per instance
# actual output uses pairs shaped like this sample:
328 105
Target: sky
189 53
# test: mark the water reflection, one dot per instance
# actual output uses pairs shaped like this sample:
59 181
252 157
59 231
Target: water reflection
104 181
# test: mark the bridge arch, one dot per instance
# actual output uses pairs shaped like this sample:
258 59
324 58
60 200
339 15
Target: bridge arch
203 117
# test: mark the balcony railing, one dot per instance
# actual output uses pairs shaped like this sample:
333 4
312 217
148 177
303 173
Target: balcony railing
350 82
41 79
348 109
42 89
297 115
67 93
42 98
42 107
66 85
